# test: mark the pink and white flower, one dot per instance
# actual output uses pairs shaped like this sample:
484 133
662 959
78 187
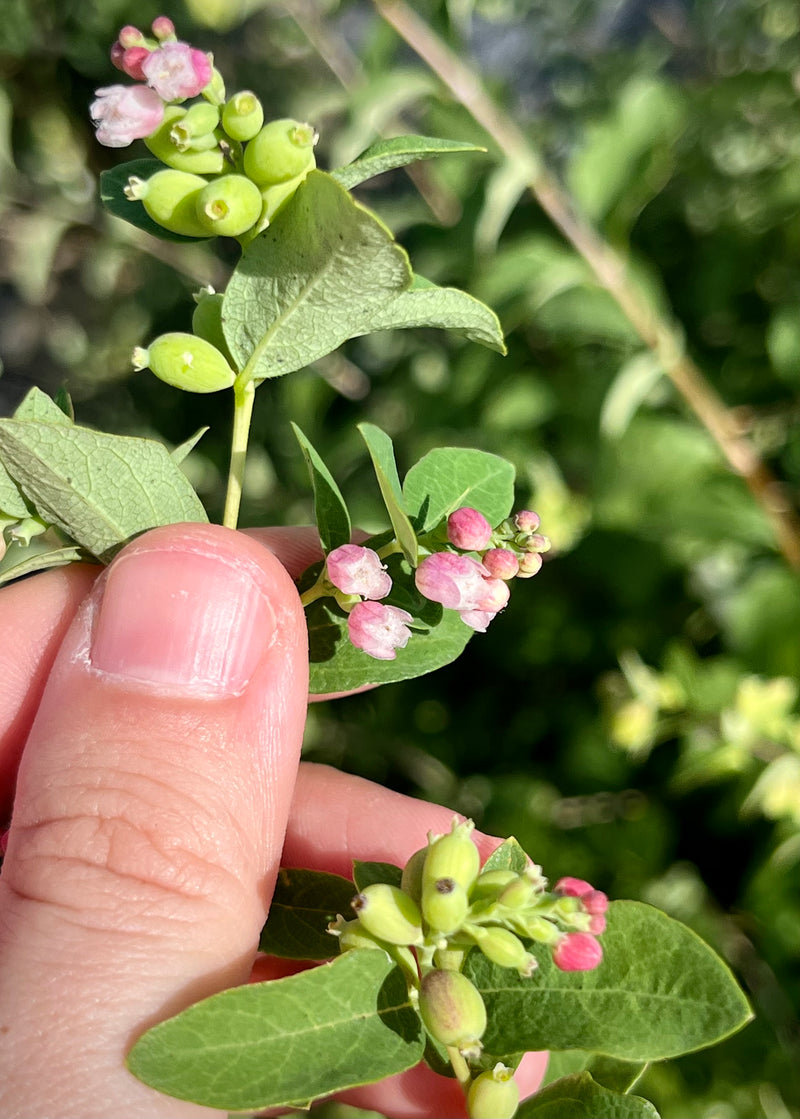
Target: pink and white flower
577 951
594 902
461 583
177 71
379 629
124 113
358 570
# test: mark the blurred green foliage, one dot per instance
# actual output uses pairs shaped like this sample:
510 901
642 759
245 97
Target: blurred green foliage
675 124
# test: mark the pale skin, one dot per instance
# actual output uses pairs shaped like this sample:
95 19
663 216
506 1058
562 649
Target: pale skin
151 812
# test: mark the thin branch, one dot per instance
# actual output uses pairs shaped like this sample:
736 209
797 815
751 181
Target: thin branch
661 336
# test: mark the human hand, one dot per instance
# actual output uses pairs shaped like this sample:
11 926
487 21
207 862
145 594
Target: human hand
163 707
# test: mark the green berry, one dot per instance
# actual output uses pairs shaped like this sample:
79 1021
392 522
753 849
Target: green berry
453 855
518 894
493 1095
389 914
186 362
505 949
452 1010
207 320
489 884
444 905
169 197
243 116
411 882
229 206
210 162
282 150
195 130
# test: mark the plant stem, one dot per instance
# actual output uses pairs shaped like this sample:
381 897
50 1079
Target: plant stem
319 590
460 1067
243 397
658 333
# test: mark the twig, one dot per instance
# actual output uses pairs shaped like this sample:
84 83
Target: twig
663 337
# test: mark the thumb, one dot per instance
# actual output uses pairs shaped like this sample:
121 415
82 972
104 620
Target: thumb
150 814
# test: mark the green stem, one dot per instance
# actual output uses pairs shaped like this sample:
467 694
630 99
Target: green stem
460 1067
319 590
244 396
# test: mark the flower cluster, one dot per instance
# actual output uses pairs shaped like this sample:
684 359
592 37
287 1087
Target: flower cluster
473 580
169 70
254 167
445 906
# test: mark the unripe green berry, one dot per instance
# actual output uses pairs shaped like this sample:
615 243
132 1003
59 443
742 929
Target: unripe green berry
210 162
411 882
229 205
453 855
282 150
444 905
169 197
207 320
243 116
493 1095
518 894
505 949
453 1010
186 362
195 130
389 914
490 884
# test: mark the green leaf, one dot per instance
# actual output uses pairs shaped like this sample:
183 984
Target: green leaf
426 304
303 905
38 558
579 1097
289 1041
12 503
508 856
659 992
337 666
635 380
611 1072
37 405
385 155
100 489
310 281
179 453
330 511
381 452
365 874
112 195
449 477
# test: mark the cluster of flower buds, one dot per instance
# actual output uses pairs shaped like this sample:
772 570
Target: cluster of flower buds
472 580
444 907
254 168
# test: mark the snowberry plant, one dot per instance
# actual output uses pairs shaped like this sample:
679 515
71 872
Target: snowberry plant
463 965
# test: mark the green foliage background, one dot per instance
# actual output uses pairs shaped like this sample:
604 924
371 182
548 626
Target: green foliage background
675 125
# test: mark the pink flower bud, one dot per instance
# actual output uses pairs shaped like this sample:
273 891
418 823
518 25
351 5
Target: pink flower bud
130 36
572 887
357 570
379 629
129 60
526 520
468 529
177 71
577 952
125 113
593 901
597 925
529 565
501 563
163 28
454 581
